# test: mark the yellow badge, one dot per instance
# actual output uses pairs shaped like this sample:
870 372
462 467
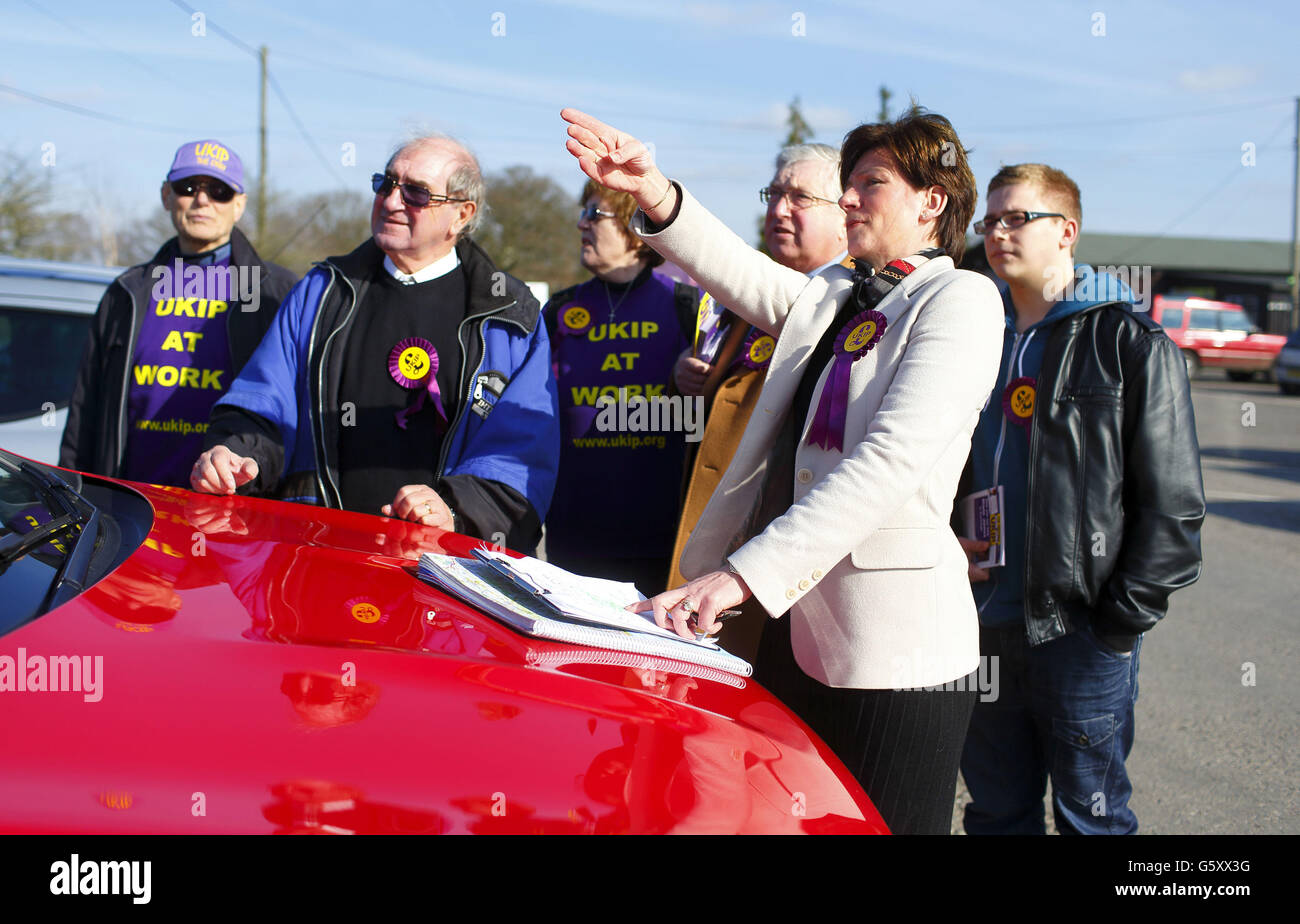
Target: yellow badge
576 317
1018 400
366 612
860 336
414 362
760 351
1022 401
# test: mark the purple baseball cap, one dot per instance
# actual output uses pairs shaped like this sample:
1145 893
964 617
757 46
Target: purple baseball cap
208 158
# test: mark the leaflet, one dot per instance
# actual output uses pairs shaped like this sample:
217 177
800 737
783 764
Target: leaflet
982 518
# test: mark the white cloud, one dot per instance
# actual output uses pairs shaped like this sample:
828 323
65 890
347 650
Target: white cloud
1213 79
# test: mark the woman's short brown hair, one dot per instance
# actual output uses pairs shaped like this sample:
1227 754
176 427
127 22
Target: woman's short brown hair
624 207
928 153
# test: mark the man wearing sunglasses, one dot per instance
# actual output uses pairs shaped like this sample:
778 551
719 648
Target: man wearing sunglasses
409 378
171 334
1089 443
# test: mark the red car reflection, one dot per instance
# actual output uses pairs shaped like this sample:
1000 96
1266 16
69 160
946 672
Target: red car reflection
276 668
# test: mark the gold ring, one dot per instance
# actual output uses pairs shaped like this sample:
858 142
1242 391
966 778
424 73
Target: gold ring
688 606
428 508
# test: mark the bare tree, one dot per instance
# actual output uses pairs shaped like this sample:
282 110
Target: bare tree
24 219
530 229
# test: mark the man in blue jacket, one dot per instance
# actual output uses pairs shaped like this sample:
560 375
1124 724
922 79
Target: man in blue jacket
409 378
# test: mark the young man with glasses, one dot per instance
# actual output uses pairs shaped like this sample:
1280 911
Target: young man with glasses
1090 445
410 378
171 334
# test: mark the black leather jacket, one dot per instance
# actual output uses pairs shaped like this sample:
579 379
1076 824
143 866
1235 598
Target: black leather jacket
1114 465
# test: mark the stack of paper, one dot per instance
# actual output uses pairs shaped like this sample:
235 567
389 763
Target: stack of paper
545 601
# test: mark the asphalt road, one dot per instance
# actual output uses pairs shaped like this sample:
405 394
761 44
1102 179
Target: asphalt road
1218 713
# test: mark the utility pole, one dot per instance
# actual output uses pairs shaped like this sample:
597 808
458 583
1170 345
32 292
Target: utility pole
261 168
1295 226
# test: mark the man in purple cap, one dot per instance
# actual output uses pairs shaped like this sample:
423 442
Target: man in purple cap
170 335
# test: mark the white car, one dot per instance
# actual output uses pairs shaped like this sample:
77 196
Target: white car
45 314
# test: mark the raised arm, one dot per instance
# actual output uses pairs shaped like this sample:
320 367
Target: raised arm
755 287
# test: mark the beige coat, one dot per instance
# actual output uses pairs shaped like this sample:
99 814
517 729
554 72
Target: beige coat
864 560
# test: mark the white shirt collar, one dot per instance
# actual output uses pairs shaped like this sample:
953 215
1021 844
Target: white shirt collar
835 262
440 267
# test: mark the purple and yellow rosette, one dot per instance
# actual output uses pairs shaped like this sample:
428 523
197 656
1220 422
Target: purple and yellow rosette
413 363
854 341
575 321
756 352
1018 400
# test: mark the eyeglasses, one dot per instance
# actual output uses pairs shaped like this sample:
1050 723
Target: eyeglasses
1012 220
593 213
417 197
217 191
771 195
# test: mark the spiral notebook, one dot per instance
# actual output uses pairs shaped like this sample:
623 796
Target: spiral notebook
528 605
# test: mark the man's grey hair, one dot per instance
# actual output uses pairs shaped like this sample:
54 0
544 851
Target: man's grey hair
823 154
465 182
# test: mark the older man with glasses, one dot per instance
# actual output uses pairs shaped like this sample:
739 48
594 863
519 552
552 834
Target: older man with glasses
410 378
172 333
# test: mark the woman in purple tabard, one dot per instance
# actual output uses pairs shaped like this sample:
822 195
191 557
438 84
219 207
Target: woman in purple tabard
614 340
834 511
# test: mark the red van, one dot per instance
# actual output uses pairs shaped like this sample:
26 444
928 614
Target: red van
1217 335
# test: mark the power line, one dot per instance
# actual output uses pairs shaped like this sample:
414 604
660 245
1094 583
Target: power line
1143 119
275 85
73 27
88 113
311 142
1214 191
207 23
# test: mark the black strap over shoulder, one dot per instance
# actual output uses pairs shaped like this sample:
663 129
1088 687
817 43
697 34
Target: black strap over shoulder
686 302
871 287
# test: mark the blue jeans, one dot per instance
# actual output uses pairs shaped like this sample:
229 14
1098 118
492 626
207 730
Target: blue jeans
1063 709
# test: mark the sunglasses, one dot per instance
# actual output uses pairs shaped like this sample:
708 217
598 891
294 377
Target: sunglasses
593 213
417 197
217 191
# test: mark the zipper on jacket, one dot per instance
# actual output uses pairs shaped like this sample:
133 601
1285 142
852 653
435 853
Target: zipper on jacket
468 381
126 382
1018 364
323 482
1058 334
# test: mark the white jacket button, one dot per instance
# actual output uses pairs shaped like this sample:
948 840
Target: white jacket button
817 574
790 594
805 584
804 476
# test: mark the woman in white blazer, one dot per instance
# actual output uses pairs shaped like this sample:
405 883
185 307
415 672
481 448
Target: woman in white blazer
835 509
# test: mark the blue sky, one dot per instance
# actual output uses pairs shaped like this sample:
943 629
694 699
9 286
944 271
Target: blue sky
1146 104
